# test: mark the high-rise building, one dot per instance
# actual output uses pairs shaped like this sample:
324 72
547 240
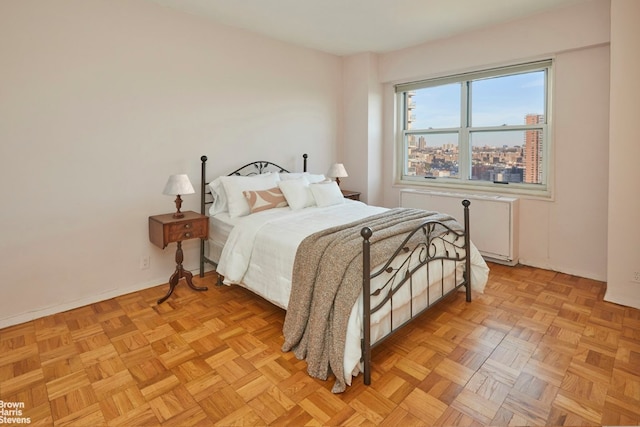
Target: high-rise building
411 105
533 150
413 164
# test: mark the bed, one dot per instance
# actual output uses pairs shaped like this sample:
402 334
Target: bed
348 274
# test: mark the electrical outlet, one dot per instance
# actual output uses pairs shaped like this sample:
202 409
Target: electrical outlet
636 277
144 262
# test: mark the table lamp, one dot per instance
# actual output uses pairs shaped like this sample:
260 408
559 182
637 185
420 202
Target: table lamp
337 171
176 185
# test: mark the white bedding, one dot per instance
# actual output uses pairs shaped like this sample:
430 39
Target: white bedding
220 227
261 248
260 251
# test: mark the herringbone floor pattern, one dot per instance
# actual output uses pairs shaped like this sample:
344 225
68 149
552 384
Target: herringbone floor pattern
538 348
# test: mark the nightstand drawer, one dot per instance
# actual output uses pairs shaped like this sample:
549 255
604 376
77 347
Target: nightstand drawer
165 229
353 195
186 230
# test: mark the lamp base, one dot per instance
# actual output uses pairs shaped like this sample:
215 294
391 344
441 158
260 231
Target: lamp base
178 214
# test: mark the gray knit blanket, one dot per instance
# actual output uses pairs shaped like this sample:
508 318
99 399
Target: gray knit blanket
327 280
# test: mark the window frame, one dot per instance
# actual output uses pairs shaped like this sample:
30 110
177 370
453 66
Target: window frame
464 181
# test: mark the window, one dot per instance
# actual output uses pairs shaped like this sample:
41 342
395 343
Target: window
486 129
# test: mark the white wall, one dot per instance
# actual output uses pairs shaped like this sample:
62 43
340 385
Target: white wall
361 150
624 152
100 101
552 233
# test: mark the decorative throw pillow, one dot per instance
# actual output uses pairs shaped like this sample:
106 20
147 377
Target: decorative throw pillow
235 185
326 193
261 200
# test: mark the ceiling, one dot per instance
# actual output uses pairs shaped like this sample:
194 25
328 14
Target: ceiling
345 27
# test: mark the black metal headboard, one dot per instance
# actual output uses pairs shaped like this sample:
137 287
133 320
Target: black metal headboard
253 168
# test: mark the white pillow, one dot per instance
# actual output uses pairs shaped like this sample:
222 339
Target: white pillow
311 178
219 197
297 192
235 185
285 176
326 193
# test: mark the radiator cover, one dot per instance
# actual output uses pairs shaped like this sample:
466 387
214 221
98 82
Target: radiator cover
493 219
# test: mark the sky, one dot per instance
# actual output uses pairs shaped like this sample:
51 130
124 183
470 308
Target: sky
494 102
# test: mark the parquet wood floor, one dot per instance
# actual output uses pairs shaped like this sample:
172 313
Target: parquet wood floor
538 348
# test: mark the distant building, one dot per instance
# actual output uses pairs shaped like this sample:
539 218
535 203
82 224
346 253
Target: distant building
533 150
422 143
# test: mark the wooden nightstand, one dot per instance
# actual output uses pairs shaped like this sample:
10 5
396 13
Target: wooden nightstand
353 195
165 229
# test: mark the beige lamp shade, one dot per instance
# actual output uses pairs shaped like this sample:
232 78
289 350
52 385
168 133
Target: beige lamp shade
176 185
337 171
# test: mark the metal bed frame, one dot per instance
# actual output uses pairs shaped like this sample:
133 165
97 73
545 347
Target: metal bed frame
418 250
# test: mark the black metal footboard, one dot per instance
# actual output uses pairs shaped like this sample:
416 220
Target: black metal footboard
431 248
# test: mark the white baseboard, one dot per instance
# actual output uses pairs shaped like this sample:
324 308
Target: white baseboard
91 299
546 266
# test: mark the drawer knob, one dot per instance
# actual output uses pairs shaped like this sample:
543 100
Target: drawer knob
187 235
188 225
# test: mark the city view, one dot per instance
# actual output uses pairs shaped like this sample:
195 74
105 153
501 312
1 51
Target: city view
504 135
437 155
